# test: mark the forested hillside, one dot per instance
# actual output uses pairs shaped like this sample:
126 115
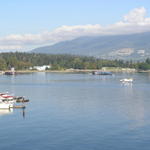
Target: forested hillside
23 61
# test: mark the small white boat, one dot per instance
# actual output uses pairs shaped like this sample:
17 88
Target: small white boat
127 80
8 101
6 96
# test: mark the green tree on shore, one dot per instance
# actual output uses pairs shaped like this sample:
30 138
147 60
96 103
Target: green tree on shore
23 61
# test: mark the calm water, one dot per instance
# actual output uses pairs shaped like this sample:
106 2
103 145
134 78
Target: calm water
77 112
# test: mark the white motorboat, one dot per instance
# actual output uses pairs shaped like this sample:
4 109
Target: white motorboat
6 96
8 101
126 80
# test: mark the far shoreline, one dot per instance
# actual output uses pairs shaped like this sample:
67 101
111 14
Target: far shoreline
107 69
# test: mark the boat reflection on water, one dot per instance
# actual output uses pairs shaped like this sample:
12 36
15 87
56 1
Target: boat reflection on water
6 111
127 84
23 112
10 111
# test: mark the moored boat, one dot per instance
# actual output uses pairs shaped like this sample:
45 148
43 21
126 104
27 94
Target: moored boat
101 73
9 73
125 80
8 101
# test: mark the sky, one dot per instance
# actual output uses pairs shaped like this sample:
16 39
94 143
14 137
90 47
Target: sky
27 24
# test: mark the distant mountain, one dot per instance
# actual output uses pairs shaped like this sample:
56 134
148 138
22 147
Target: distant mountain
133 46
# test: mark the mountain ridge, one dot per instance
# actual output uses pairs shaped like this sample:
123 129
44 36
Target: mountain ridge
136 46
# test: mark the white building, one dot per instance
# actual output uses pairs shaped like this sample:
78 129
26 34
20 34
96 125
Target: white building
41 68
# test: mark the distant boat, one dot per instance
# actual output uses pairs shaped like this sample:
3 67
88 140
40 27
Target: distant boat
126 80
101 73
9 73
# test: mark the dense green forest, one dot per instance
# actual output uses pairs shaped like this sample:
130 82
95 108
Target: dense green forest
23 61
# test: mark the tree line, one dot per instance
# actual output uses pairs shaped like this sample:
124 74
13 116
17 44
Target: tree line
22 61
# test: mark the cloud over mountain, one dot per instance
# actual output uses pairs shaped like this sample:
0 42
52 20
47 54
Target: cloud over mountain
133 22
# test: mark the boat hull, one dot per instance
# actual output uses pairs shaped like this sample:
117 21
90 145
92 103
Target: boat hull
101 73
4 105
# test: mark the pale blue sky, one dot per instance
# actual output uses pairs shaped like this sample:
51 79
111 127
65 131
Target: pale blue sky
34 16
26 24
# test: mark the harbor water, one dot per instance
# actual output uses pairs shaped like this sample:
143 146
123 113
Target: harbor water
77 112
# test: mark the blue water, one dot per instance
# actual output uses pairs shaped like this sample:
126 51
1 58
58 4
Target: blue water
77 112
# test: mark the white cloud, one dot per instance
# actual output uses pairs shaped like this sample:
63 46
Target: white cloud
134 22
136 16
11 47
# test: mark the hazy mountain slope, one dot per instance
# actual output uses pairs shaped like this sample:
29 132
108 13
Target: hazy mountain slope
119 46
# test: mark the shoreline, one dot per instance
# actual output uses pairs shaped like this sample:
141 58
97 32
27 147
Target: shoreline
107 69
113 70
